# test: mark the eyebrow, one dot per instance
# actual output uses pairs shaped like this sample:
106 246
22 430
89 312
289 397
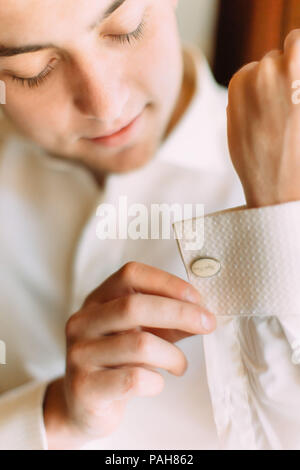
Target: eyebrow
108 12
12 51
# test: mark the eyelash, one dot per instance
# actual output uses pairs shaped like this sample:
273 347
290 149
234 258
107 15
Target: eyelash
134 36
121 38
35 81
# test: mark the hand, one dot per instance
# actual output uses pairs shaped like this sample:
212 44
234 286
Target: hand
264 126
125 329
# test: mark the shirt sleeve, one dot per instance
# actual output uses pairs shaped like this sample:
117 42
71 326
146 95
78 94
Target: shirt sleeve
21 418
247 271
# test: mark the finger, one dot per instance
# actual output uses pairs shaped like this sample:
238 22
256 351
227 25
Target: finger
249 66
173 336
140 310
234 85
137 348
244 69
273 54
292 53
292 38
122 383
138 277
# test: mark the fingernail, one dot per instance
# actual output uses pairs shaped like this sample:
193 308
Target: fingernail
208 322
192 296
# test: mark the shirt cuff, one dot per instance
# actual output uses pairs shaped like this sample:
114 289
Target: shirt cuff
22 422
259 255
251 276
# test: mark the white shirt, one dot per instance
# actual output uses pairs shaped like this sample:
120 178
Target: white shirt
241 389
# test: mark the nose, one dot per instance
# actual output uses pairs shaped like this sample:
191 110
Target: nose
100 92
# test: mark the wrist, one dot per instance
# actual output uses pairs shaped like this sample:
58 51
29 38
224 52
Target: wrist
263 199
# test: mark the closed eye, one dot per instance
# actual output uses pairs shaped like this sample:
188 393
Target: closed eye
130 37
34 81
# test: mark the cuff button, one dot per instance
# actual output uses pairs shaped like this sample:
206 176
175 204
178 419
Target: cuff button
296 352
206 267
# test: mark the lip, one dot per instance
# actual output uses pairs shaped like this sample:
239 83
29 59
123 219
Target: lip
120 137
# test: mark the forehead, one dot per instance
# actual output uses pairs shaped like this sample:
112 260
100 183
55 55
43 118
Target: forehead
24 21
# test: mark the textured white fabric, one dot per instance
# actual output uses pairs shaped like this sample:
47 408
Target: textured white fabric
258 250
252 359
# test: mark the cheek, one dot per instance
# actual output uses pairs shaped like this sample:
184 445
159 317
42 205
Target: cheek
159 61
36 115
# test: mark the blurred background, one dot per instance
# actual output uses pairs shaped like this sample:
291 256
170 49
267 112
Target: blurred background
197 21
234 32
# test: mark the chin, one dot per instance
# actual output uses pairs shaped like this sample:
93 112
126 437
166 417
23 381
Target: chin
127 160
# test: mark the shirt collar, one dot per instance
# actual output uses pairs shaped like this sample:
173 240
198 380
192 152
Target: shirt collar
199 140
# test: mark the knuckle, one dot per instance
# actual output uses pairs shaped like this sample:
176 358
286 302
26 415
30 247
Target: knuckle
292 37
264 74
236 85
131 380
77 386
129 306
74 355
291 48
267 66
71 328
267 73
233 82
183 291
143 342
129 271
264 63
242 73
172 281
183 312
272 54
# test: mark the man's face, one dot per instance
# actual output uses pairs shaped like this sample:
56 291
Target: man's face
92 79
